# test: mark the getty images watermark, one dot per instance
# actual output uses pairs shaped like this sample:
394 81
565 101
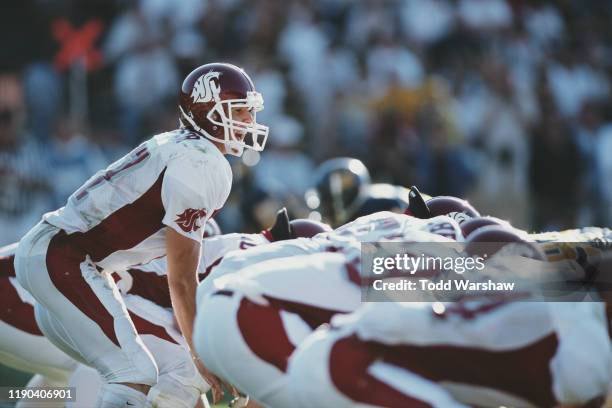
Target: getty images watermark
422 272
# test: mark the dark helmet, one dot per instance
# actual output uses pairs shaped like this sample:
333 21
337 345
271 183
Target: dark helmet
211 228
338 189
476 223
206 99
490 240
381 197
299 228
454 207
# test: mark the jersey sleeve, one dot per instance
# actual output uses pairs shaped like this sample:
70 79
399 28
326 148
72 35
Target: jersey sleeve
193 188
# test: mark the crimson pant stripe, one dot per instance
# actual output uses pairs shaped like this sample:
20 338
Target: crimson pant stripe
7 266
209 269
14 311
146 327
263 331
349 361
150 286
523 371
63 263
314 316
123 229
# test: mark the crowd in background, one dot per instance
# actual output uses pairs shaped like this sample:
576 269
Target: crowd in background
505 102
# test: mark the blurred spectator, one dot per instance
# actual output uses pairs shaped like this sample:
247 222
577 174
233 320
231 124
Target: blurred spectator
502 184
284 171
554 174
485 14
544 24
368 19
146 72
73 159
303 44
572 82
389 63
586 137
604 161
43 93
452 95
427 21
24 182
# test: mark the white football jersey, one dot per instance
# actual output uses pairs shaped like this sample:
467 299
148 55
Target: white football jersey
327 280
215 248
347 239
118 217
237 260
567 341
387 226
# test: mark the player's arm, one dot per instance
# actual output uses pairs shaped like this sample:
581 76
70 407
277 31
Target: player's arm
189 194
183 256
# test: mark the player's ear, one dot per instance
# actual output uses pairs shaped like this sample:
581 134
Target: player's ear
281 229
416 204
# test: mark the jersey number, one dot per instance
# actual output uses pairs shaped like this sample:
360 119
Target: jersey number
137 156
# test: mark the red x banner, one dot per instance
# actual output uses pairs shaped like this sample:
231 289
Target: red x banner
77 44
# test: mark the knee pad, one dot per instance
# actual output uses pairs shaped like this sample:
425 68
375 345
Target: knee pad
120 396
175 391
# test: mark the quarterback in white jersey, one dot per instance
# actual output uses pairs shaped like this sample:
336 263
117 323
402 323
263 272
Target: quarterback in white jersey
490 353
24 347
152 202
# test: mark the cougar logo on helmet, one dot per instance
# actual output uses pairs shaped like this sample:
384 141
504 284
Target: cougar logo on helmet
206 88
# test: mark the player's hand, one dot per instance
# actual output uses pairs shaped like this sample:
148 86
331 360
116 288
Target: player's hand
215 383
231 388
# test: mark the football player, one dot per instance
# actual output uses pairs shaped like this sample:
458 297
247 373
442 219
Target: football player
150 280
150 203
265 300
486 352
24 347
342 191
383 225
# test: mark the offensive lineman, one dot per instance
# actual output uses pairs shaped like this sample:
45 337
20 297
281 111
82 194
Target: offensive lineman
152 202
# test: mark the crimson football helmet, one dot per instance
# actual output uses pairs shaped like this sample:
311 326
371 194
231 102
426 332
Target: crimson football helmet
471 226
299 228
454 207
491 239
305 228
207 97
